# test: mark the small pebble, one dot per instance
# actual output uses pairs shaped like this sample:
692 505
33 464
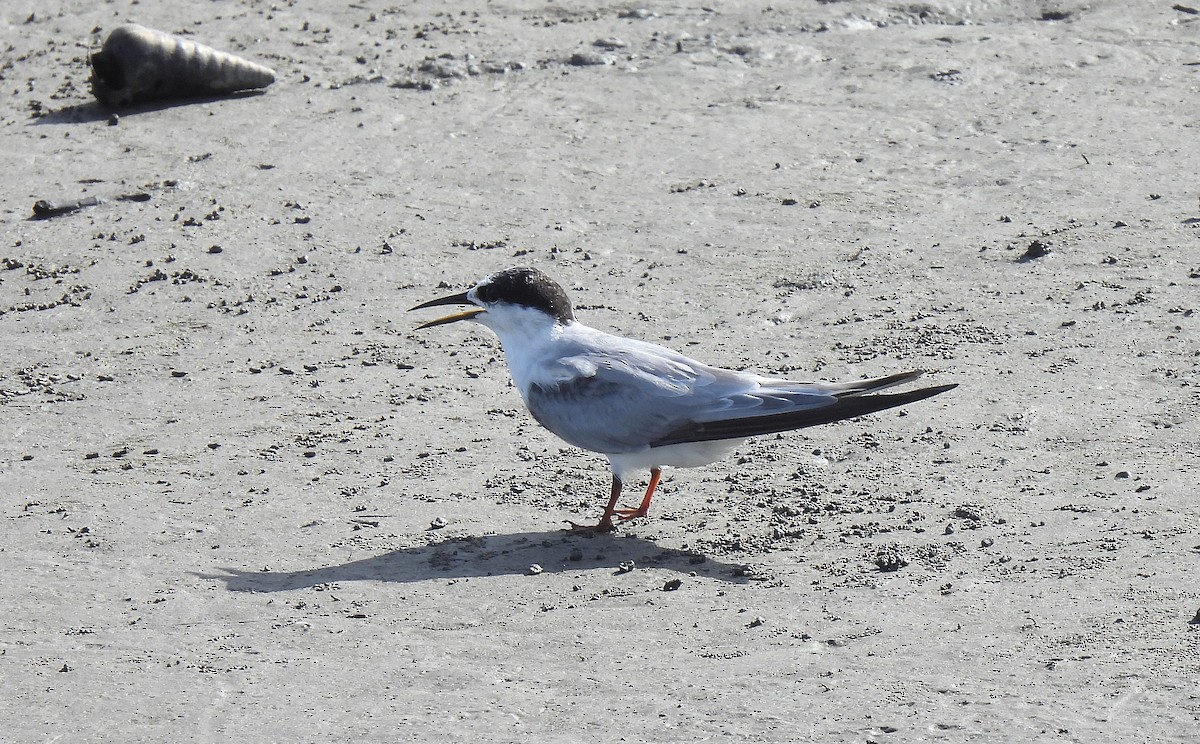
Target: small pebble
970 511
672 585
438 523
535 569
891 559
1036 249
587 59
757 622
987 542
625 567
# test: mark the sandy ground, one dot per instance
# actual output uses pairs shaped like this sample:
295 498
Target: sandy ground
224 445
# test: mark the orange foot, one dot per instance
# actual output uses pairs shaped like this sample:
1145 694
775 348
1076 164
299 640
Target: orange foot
624 515
604 525
628 513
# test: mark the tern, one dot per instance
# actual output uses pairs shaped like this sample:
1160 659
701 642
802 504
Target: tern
642 405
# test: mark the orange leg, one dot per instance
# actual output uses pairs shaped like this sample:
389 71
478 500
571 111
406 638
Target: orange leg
605 524
644 509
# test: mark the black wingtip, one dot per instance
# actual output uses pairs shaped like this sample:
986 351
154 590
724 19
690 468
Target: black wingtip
847 407
929 392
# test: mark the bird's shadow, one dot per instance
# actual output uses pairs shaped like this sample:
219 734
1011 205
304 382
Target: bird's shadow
491 555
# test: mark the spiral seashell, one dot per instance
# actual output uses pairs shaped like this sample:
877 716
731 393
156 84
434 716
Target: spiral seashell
141 64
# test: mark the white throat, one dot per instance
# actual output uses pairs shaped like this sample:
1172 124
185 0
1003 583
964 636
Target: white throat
530 341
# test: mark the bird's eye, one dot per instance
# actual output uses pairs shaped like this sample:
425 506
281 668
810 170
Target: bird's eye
486 293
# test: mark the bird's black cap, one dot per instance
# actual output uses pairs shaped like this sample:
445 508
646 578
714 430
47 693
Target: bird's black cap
527 287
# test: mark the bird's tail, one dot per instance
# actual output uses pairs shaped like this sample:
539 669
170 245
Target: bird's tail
861 387
851 399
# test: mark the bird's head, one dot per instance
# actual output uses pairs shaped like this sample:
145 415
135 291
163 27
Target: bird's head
507 298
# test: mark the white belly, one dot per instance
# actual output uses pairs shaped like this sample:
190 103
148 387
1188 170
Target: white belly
687 455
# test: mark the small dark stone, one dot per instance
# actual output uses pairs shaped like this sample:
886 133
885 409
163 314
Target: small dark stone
891 559
1036 249
586 59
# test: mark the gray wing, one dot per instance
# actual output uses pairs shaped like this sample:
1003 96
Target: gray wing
621 400
644 396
